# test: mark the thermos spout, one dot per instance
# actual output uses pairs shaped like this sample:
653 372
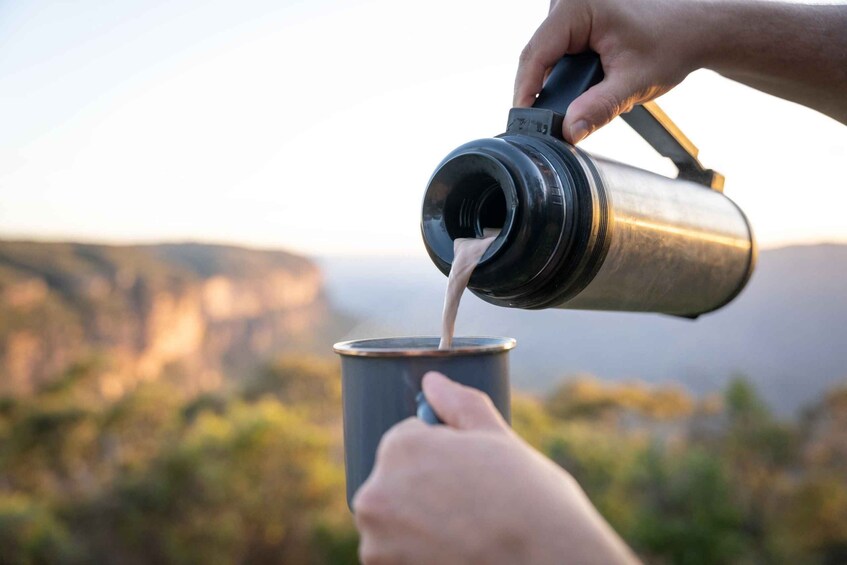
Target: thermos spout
470 192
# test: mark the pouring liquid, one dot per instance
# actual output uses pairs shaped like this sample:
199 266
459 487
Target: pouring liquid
466 255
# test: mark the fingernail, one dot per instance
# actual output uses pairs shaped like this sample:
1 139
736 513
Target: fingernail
431 379
579 131
433 375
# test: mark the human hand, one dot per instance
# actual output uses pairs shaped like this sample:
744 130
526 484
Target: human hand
796 51
472 491
645 47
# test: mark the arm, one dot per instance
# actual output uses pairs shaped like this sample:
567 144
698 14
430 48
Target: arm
794 51
797 52
473 492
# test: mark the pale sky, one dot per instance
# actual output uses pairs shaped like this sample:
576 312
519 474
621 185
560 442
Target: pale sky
315 125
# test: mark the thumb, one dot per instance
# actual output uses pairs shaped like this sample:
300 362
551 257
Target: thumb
597 106
460 406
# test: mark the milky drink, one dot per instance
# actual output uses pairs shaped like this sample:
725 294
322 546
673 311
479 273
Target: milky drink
466 255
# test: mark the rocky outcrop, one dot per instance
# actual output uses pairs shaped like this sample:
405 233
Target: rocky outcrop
199 314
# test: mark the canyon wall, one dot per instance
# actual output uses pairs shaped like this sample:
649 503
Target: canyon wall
199 314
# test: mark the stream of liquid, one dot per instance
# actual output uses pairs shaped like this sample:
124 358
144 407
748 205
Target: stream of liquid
466 255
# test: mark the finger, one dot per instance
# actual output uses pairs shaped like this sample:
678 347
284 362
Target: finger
565 30
597 106
374 515
539 55
459 406
399 440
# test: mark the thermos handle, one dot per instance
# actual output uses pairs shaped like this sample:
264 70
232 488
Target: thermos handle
569 79
425 411
657 129
574 74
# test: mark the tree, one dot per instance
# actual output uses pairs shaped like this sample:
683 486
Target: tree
244 486
687 512
30 533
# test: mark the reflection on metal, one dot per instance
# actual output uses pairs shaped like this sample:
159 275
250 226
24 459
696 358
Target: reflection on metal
687 233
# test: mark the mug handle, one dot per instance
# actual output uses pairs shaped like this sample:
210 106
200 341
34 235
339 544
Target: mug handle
425 411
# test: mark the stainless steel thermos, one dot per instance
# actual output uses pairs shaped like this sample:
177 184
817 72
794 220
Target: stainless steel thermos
579 231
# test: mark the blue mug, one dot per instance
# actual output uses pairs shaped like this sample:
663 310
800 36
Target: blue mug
381 384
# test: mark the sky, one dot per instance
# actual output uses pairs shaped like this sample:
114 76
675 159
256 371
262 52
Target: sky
314 126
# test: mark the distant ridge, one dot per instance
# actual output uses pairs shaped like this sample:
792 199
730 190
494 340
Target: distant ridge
787 331
207 313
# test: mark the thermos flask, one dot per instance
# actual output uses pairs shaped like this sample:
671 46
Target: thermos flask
584 232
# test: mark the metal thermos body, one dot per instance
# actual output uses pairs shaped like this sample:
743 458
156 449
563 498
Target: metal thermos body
583 232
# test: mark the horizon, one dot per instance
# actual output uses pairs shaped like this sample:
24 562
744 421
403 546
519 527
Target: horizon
418 253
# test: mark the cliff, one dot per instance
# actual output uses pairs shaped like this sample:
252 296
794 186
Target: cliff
198 314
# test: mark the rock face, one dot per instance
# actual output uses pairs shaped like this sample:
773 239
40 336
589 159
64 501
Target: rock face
196 313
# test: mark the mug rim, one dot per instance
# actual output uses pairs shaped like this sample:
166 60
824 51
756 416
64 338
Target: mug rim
471 345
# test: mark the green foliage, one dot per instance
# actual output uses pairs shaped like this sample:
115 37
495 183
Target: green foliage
249 475
242 486
743 404
307 383
687 513
31 534
589 398
337 541
816 517
49 449
531 420
714 482
253 473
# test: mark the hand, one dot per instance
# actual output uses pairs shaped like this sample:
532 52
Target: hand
644 48
472 491
795 51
